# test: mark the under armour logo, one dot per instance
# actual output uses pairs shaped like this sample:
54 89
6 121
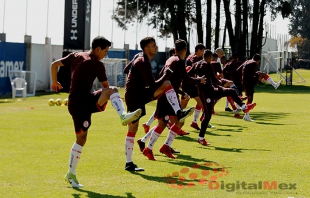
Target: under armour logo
74 37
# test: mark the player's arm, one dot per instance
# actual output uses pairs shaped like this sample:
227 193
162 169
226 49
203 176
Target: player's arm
56 86
105 84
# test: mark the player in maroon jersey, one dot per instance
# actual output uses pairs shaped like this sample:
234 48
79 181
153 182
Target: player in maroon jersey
249 76
164 112
210 91
141 88
85 68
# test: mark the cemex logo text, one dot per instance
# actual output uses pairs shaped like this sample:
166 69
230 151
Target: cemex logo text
260 185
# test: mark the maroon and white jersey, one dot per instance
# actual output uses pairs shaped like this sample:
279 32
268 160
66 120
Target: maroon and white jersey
191 59
85 68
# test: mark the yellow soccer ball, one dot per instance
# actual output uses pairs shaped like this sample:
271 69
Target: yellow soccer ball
58 102
51 102
65 102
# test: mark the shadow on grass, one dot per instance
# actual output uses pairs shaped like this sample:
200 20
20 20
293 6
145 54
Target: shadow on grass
235 150
264 117
173 178
98 195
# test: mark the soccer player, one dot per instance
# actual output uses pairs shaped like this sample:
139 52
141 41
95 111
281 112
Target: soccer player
85 67
192 89
211 90
164 112
250 76
141 88
146 125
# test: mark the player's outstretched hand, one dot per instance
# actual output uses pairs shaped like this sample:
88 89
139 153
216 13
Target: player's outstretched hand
56 86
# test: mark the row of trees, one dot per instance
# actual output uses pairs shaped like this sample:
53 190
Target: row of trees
300 28
176 17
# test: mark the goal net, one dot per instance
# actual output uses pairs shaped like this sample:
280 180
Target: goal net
114 70
29 76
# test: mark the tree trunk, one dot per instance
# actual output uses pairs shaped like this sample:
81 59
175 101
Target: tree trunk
208 24
199 21
217 24
254 28
229 26
237 25
261 27
243 48
173 23
181 20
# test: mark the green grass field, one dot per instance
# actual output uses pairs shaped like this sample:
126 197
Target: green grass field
266 158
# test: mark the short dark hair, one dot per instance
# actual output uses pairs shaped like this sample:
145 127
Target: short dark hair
207 53
180 45
171 51
145 41
214 55
101 42
199 46
256 57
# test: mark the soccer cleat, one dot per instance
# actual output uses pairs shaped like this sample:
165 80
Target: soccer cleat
247 118
277 84
71 178
127 118
148 153
249 107
141 145
195 126
210 126
130 166
165 149
174 151
203 142
228 109
182 132
183 114
146 127
237 115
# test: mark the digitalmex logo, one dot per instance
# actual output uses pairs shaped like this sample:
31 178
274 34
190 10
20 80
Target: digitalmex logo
206 173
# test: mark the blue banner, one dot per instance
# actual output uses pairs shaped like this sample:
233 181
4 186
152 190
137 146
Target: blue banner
12 57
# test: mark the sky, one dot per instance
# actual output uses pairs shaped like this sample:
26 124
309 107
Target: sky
45 18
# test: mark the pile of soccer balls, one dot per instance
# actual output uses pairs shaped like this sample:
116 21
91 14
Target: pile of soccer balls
58 102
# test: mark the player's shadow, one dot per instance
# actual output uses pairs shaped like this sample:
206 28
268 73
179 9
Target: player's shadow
98 195
268 117
193 163
235 150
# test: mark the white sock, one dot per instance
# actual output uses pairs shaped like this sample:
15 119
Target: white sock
200 138
153 139
271 82
171 136
196 115
173 99
75 155
151 119
227 103
129 143
147 135
117 103
243 107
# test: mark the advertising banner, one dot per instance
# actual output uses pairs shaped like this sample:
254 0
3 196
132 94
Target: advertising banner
12 57
77 24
